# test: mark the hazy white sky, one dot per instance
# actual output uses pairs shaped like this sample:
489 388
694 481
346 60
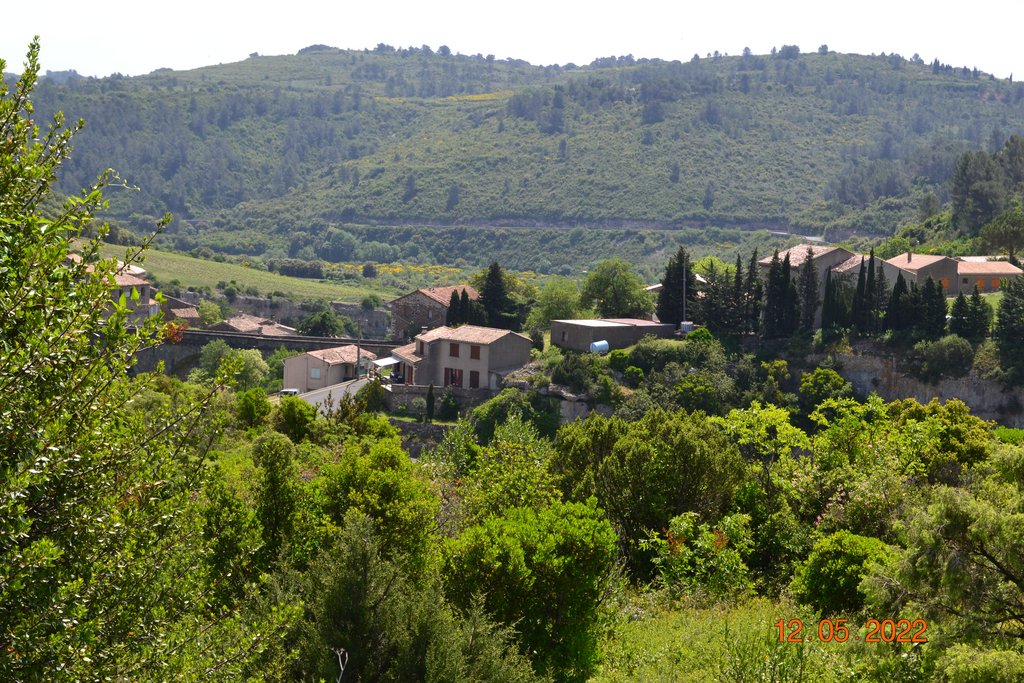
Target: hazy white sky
131 38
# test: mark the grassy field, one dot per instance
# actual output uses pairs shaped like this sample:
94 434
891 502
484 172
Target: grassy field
737 643
167 268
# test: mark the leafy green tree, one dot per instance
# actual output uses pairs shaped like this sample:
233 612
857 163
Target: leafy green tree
559 299
101 549
1009 328
616 291
644 473
276 491
821 385
209 312
978 191
253 406
679 277
392 623
542 571
961 563
327 323
830 579
1005 232
703 559
294 418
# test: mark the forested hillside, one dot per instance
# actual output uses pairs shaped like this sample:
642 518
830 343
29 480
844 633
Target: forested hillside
265 156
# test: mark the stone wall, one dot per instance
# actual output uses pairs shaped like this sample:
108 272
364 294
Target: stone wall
399 394
417 436
987 399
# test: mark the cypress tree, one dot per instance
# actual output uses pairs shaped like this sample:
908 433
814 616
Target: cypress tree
737 302
881 297
454 314
896 313
808 292
773 300
870 301
670 306
790 320
859 305
754 291
933 305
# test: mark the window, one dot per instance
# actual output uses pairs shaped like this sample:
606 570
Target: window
995 283
420 348
453 350
474 379
945 284
474 352
453 377
563 335
314 373
965 281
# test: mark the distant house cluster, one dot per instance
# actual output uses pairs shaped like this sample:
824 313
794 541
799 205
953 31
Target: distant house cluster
251 324
955 275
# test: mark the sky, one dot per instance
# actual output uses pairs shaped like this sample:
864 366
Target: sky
138 37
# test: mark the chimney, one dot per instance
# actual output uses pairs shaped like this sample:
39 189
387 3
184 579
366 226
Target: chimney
910 255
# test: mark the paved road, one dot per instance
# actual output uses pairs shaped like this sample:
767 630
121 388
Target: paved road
318 397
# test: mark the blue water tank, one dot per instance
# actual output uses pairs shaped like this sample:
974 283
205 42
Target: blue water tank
599 346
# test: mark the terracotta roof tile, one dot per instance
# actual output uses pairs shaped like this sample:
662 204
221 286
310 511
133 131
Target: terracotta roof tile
915 261
987 268
798 254
467 333
342 354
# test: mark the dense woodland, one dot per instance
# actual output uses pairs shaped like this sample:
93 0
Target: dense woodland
314 155
159 529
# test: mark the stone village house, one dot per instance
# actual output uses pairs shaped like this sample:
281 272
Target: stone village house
424 309
469 357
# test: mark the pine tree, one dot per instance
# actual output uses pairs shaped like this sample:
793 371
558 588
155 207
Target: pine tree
979 315
959 317
808 292
494 298
1009 328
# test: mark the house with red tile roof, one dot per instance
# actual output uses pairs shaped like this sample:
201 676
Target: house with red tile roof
326 367
987 275
251 324
424 309
468 356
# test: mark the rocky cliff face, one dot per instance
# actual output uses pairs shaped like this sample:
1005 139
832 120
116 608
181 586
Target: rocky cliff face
987 398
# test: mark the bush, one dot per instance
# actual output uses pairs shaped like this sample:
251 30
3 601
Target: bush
252 406
618 360
632 376
449 406
372 396
702 559
294 418
951 356
574 372
830 579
